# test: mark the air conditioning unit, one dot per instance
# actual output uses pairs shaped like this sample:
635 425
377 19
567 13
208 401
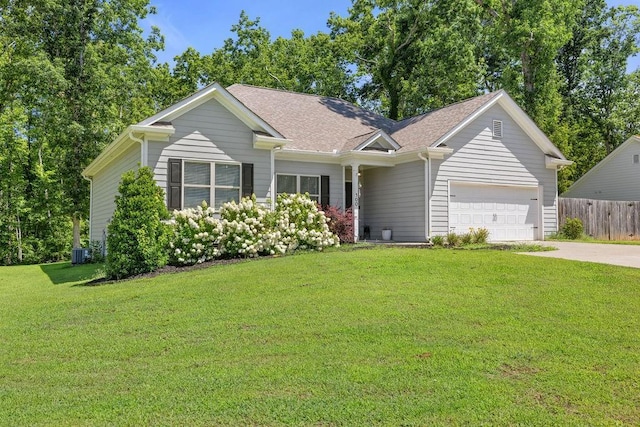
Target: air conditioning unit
79 255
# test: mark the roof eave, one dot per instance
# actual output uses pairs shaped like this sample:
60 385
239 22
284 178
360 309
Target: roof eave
265 142
122 142
555 163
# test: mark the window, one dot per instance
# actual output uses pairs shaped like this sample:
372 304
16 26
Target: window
199 185
636 159
497 128
292 184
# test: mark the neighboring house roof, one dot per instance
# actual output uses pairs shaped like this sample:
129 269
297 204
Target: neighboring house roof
632 140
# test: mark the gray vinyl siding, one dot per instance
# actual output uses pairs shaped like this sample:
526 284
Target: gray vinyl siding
617 179
336 185
394 197
105 189
478 157
211 133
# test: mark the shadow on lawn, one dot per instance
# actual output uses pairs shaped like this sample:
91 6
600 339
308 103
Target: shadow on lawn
64 272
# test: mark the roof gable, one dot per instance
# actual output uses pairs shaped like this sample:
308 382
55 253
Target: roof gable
227 100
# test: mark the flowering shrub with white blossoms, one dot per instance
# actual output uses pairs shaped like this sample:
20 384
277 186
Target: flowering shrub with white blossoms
248 229
301 224
195 237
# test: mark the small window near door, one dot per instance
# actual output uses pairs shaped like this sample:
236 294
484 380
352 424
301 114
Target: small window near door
636 159
497 128
292 184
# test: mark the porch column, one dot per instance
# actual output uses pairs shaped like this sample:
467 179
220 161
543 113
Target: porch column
355 202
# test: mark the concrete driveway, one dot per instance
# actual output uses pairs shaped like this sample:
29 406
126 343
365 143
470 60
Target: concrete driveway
625 255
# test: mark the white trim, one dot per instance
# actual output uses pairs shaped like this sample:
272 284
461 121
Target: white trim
122 143
231 103
298 176
272 185
212 180
265 142
517 114
380 134
553 163
90 206
497 129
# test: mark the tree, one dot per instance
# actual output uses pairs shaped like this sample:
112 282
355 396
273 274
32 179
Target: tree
98 49
411 55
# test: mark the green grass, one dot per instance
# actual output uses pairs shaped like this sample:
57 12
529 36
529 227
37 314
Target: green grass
384 336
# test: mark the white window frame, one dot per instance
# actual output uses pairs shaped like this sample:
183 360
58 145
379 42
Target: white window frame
636 159
212 183
298 176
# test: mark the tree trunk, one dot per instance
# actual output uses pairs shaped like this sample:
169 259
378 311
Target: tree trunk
76 231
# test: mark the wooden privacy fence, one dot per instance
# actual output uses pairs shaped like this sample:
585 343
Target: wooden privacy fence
603 219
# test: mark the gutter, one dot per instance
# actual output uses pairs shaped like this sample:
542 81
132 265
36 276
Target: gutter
143 148
427 199
90 179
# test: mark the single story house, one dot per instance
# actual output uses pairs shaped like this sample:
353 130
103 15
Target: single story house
477 163
616 177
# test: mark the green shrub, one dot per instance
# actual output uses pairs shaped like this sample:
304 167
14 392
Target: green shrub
96 252
437 240
466 238
453 239
137 238
572 228
479 235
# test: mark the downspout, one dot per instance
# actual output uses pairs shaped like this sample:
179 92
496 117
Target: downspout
90 179
143 149
272 186
427 199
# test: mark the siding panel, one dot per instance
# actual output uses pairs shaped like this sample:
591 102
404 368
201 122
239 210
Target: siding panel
211 133
394 197
513 159
105 189
618 179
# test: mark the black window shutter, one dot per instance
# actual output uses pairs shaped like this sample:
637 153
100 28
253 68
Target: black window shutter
174 184
247 179
324 190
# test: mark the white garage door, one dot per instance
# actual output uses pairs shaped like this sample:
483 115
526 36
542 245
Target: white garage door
509 213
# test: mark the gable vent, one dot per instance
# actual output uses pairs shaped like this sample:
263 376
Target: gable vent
636 159
497 128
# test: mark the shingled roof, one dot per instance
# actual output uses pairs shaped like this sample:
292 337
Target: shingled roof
325 124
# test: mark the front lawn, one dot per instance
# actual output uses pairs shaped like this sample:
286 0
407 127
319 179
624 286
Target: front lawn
382 336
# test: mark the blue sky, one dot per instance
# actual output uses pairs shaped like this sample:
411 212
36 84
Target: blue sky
205 24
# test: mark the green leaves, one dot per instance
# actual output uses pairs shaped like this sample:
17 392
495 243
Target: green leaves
137 239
